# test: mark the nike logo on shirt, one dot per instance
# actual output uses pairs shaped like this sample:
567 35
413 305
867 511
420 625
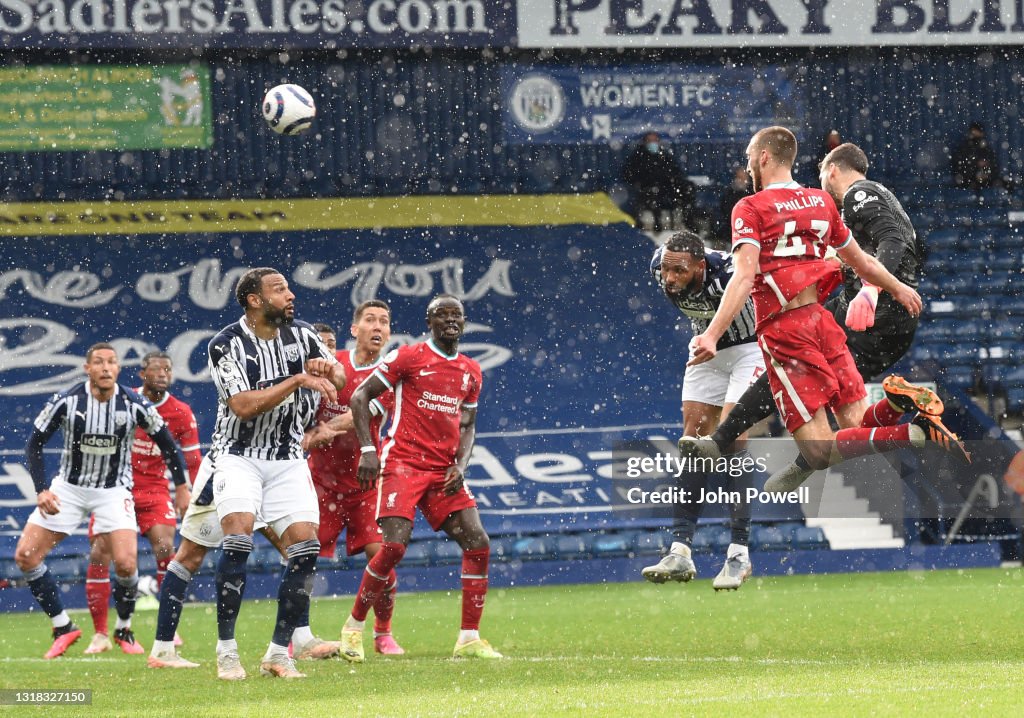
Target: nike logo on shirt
424 372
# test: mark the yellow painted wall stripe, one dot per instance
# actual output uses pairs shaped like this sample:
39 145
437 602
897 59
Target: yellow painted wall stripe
32 219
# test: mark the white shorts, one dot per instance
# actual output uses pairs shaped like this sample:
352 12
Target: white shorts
724 379
113 508
281 491
200 524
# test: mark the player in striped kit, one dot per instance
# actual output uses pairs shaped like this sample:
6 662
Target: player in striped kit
694 279
154 509
98 418
268 369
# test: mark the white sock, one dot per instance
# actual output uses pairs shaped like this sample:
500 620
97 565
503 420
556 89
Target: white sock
274 650
301 636
122 623
917 438
736 549
354 624
162 647
229 646
680 548
465 636
61 619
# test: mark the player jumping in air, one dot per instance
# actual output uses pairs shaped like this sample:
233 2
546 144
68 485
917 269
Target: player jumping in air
779 237
693 279
422 465
877 337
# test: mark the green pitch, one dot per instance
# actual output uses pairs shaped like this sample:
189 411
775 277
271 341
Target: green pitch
944 643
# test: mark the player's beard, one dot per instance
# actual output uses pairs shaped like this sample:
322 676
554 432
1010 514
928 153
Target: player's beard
277 317
755 178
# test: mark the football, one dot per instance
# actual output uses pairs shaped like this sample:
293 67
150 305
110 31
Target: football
288 109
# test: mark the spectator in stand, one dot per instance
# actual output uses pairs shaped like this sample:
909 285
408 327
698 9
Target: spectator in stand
733 193
662 196
974 163
832 140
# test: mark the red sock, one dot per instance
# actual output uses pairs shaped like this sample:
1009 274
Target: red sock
384 607
881 414
865 441
97 595
474 586
161 570
376 578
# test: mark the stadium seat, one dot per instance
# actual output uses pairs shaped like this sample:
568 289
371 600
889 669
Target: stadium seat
650 543
713 538
501 548
810 537
1015 400
9 570
959 376
146 562
943 239
447 551
609 545
418 553
67 568
570 547
531 548
1014 378
768 538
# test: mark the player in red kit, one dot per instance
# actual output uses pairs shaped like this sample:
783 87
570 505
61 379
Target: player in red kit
422 465
334 459
154 509
780 235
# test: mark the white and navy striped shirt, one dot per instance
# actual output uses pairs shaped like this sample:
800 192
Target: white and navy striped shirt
701 306
97 434
241 361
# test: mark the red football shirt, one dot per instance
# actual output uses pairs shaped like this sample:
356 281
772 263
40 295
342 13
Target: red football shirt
335 467
148 468
431 390
791 226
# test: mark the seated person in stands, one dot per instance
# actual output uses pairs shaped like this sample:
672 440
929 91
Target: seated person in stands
733 193
974 163
662 196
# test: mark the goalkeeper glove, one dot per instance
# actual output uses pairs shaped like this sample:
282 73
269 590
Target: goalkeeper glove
861 313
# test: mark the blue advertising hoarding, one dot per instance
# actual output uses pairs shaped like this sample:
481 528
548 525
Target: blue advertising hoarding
576 344
562 104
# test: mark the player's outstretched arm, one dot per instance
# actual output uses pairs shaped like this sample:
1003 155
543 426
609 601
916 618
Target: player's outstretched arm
704 346
871 270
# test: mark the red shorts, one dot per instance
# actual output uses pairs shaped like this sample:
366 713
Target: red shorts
154 509
151 509
808 364
356 513
401 489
